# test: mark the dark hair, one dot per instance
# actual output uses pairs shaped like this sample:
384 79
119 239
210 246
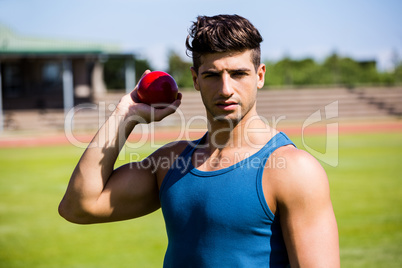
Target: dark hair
222 33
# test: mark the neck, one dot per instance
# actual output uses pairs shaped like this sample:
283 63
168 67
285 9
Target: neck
246 132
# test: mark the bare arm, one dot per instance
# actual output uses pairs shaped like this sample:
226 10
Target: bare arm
307 218
98 193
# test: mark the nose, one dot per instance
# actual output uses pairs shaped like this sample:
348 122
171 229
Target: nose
226 89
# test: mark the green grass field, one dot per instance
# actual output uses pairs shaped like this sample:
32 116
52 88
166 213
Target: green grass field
366 190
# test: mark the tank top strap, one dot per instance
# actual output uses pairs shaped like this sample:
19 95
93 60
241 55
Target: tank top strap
183 161
190 148
279 140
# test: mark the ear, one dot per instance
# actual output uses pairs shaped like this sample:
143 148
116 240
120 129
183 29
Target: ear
261 75
195 79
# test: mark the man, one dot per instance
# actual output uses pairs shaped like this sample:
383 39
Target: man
241 196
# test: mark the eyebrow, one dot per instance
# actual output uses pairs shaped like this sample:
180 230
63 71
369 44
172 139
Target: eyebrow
230 71
209 72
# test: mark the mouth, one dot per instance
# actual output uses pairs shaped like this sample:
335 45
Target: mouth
227 105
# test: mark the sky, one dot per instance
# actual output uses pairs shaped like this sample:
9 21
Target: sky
361 29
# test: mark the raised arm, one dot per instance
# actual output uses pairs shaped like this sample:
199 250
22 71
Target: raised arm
307 218
98 193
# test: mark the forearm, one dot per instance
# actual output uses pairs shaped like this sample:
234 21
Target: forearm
99 158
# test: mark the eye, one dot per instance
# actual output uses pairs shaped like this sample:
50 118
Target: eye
209 75
239 74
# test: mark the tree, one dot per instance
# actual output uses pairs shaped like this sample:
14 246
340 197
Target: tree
305 72
397 67
279 73
114 73
141 65
293 72
331 70
115 70
348 72
180 70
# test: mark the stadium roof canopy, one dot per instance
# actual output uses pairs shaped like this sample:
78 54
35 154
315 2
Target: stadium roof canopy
12 43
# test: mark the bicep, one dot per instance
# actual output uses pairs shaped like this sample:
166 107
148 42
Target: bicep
130 192
311 237
133 189
307 217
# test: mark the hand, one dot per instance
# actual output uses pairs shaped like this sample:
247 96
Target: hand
132 109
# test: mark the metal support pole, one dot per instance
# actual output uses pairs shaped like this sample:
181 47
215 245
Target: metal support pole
68 87
130 75
1 105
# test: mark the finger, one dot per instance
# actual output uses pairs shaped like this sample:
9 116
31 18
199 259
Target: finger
145 73
133 93
162 113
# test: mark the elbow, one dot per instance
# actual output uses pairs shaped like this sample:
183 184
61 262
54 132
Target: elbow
66 212
72 214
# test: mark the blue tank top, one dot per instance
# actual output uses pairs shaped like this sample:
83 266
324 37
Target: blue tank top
220 218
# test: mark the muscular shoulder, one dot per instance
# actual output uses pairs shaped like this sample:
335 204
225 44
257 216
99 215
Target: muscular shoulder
299 177
163 158
172 148
297 163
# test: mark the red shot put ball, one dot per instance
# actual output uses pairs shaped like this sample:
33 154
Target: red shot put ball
158 89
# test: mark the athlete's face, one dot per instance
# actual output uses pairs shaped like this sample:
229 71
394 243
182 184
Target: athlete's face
228 84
